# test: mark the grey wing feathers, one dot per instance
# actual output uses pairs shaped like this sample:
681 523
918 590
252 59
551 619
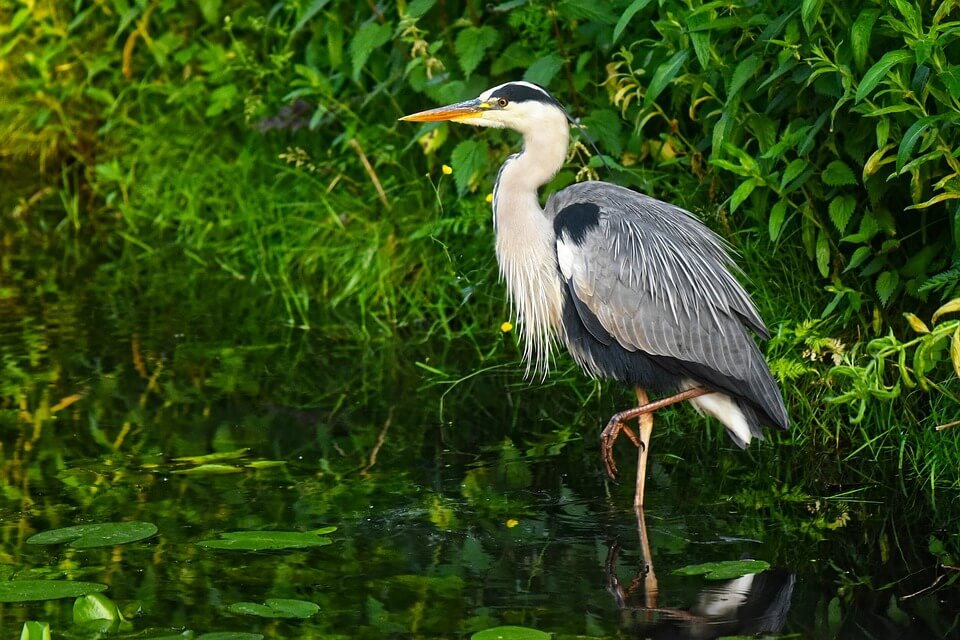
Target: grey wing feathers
659 281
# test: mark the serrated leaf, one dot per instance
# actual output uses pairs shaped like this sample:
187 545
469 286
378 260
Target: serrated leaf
544 70
841 210
468 158
838 174
606 127
778 215
663 76
910 138
368 39
471 44
308 15
886 285
417 8
810 13
823 253
723 570
881 68
626 16
916 323
742 74
593 11
950 307
860 34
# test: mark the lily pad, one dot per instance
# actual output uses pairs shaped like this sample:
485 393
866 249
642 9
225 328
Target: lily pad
35 590
230 635
89 536
269 540
510 633
215 457
210 470
275 608
724 570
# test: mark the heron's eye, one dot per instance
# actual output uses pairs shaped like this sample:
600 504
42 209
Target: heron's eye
502 102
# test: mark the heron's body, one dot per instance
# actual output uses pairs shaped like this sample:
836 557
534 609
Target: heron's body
638 290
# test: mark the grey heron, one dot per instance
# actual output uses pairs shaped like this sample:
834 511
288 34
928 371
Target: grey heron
637 289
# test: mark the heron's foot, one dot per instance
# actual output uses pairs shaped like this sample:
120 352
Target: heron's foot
608 436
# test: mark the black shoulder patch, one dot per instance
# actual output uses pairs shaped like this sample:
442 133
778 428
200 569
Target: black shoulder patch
576 220
515 92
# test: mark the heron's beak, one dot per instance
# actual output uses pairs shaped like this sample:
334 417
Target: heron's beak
459 112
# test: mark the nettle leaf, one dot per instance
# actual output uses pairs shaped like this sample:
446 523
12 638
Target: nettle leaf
368 39
543 70
468 158
886 285
880 69
472 43
606 127
841 210
838 174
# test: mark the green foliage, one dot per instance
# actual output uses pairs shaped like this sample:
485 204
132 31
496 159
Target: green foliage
89 536
272 540
723 569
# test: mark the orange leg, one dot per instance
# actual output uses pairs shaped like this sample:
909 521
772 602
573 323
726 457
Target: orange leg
644 412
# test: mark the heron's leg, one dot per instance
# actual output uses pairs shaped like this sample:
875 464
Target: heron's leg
617 424
646 430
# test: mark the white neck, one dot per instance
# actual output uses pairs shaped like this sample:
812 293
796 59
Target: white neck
526 241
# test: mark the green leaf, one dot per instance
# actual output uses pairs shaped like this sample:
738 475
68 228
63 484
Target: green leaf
95 606
950 77
510 633
307 15
778 216
663 76
469 158
471 44
744 71
858 258
88 536
543 70
34 590
220 456
886 285
860 35
626 16
823 253
910 139
606 127
592 11
210 10
418 8
276 608
743 192
230 635
841 210
33 630
881 68
723 570
368 39
793 170
810 13
838 174
268 540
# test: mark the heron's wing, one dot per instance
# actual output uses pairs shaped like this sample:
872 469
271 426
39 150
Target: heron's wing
653 278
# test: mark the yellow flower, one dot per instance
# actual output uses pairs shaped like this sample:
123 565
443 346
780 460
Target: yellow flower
506 327
446 170
489 198
512 522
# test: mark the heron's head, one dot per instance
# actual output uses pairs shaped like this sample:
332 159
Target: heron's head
521 106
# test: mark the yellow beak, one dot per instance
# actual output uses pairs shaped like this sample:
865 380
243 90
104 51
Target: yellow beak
455 112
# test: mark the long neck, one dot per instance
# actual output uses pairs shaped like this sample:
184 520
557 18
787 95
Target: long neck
526 242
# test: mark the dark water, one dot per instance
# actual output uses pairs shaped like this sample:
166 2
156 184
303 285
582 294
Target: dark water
458 507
